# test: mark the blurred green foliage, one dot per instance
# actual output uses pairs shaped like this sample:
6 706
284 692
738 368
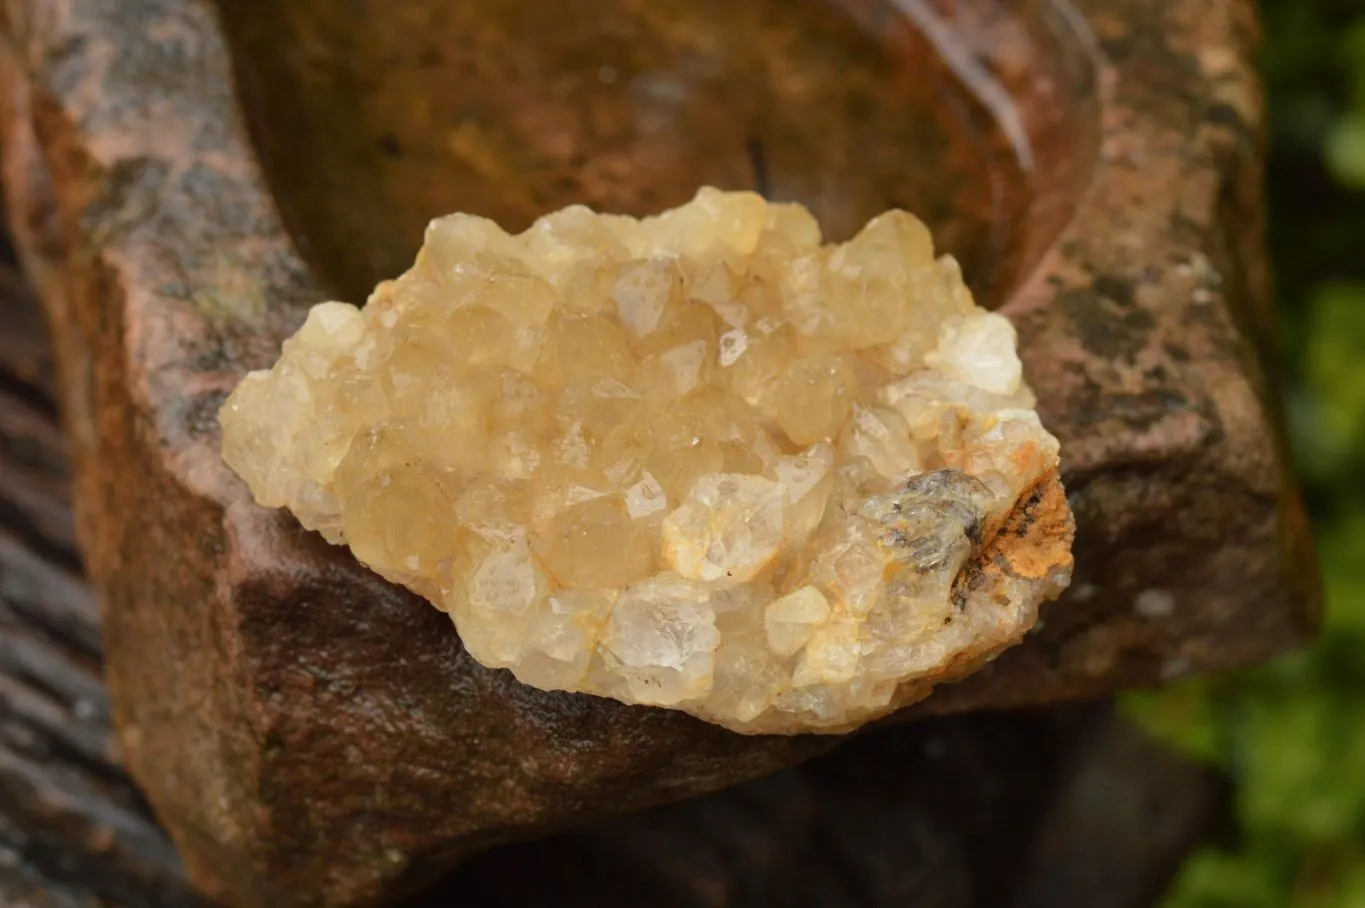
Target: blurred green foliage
1292 734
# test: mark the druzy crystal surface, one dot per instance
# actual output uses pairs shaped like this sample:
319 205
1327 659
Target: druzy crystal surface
698 461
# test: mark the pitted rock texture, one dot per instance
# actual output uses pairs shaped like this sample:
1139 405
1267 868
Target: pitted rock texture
697 460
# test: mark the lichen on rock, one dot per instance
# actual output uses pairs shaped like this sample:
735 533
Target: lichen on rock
698 460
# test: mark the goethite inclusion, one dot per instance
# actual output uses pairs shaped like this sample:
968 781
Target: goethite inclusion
697 460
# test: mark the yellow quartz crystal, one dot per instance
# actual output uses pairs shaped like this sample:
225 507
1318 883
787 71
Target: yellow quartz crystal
698 460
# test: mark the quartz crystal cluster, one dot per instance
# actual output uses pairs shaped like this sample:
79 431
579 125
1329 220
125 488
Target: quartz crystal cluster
698 460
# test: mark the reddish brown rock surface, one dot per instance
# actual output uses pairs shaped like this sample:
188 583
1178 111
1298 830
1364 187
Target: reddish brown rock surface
313 735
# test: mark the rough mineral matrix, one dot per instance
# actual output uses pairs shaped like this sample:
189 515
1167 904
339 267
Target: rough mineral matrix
698 460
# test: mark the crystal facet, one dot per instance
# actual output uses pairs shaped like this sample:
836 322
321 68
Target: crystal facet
697 460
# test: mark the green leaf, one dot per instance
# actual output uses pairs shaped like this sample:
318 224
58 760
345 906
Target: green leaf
1345 150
